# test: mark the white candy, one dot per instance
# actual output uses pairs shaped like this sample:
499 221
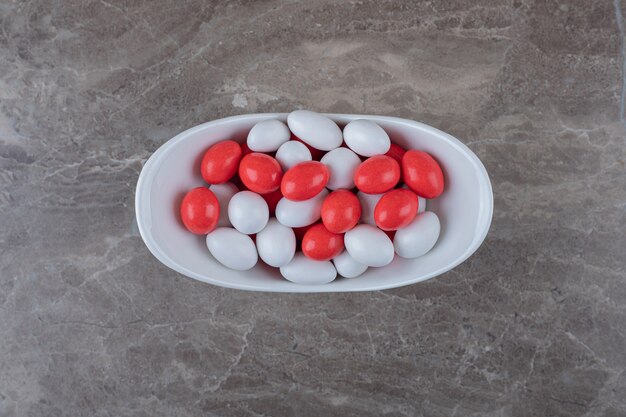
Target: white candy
315 129
276 244
248 212
347 266
268 135
232 248
369 245
368 203
421 207
303 270
341 163
292 153
300 213
418 237
366 138
224 192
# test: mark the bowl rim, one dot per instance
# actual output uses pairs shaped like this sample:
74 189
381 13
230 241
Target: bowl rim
143 192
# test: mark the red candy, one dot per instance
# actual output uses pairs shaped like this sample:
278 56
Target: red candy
200 210
316 154
422 174
396 152
304 181
260 173
220 162
320 244
341 211
272 200
377 174
396 209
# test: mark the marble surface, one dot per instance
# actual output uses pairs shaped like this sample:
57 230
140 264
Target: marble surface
534 324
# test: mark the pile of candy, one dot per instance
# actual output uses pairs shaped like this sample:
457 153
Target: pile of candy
267 197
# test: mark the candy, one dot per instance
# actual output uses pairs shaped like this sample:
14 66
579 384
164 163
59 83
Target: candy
232 249
368 204
315 129
224 192
377 174
268 136
422 174
304 181
260 173
302 270
418 237
248 212
220 162
200 210
396 152
320 244
369 245
276 244
341 211
316 154
347 266
341 163
292 153
300 213
396 209
366 138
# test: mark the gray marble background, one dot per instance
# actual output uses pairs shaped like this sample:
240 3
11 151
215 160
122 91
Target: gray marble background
534 324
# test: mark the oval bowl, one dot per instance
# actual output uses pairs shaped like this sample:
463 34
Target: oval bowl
464 209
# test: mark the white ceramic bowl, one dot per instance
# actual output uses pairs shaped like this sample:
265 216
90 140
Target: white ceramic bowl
464 209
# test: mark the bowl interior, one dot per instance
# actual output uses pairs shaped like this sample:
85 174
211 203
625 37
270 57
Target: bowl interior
464 208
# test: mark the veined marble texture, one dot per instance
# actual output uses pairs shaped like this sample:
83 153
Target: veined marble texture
534 324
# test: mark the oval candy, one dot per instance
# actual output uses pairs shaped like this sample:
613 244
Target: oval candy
220 162
276 244
232 249
302 270
304 181
347 266
315 129
366 138
341 163
248 212
292 153
369 245
320 244
395 209
377 174
422 174
268 136
300 213
200 210
419 237
260 173
341 211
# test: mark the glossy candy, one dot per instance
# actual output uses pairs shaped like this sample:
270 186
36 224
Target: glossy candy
302 270
300 213
268 136
341 163
260 173
418 237
232 249
200 210
315 129
396 209
366 138
396 152
292 153
341 211
368 204
320 244
347 266
304 181
224 192
369 245
248 212
220 162
377 174
422 174
276 244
